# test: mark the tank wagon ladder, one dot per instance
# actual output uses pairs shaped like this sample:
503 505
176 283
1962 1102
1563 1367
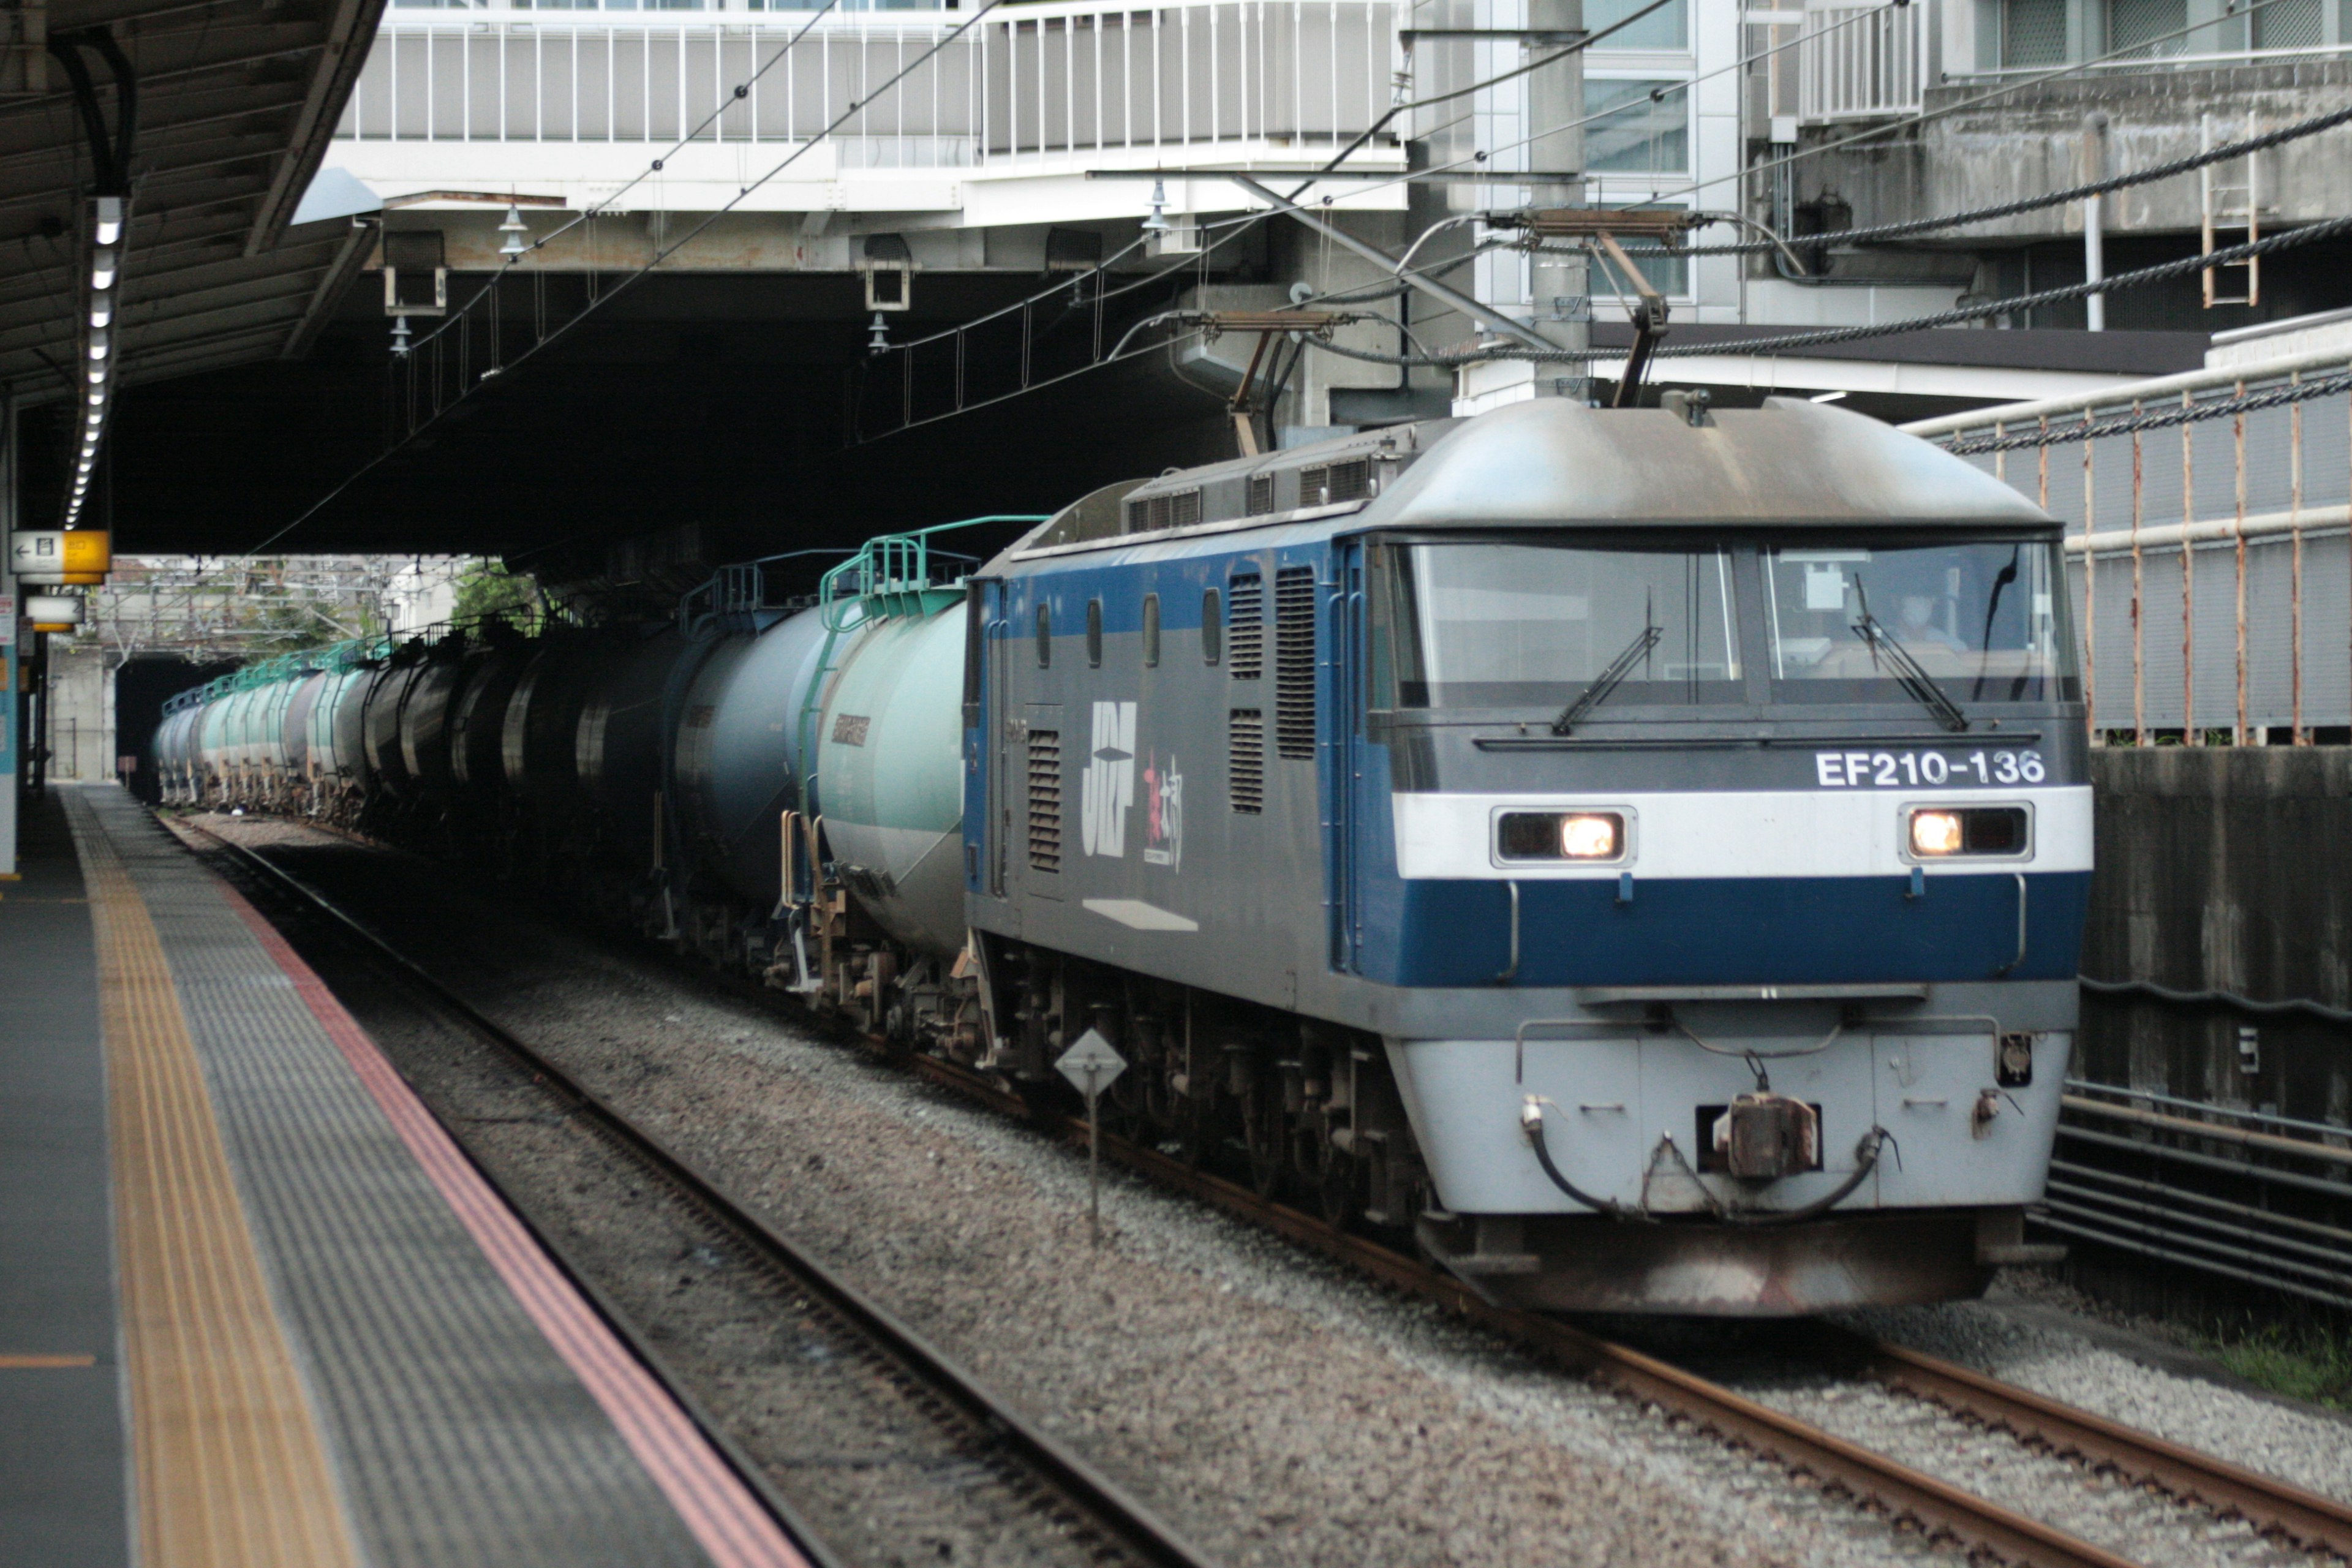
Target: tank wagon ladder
891 576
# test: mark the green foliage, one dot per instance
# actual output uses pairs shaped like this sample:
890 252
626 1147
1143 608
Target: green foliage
2307 1362
486 591
289 627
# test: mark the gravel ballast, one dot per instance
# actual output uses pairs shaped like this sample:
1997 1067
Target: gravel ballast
1276 1408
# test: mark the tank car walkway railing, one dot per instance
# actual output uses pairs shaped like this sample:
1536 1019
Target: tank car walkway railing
2207 525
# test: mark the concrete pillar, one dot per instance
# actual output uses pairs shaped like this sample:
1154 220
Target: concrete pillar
10 765
1558 287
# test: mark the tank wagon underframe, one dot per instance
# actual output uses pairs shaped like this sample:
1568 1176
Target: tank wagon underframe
1642 857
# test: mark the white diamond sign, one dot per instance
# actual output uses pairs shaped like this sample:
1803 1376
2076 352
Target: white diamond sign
1091 1066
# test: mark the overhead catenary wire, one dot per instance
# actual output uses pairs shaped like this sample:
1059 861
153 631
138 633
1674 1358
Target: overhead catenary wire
1251 219
606 203
2070 431
1849 236
660 256
2164 170
1926 115
2144 276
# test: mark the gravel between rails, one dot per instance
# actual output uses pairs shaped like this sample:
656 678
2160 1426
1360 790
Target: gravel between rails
1276 1408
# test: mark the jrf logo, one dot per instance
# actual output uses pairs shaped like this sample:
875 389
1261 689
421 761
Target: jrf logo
1106 785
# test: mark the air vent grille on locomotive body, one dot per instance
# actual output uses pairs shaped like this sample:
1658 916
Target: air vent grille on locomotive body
1245 626
1261 494
1329 484
1294 661
1044 800
1148 515
1246 760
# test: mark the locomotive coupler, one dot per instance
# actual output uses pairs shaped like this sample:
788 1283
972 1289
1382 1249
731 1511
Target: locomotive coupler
1765 1136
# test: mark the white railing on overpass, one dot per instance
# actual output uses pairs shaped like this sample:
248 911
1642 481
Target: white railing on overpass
1861 62
1063 79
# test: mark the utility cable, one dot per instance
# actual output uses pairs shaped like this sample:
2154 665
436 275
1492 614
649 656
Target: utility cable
2221 154
1252 219
2164 272
2164 419
1925 116
856 108
594 209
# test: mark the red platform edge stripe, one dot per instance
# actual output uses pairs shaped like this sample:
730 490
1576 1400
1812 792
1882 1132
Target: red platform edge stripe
724 1517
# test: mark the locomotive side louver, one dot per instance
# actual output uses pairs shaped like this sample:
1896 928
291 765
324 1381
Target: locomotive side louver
1326 484
1152 513
1245 627
1044 800
1246 760
1261 494
1294 661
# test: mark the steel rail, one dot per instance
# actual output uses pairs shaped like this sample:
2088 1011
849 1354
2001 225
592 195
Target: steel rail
1874 1480
1070 1480
2272 1507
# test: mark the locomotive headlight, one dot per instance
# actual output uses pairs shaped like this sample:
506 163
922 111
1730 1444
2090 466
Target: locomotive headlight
1935 833
1999 832
1561 836
1595 836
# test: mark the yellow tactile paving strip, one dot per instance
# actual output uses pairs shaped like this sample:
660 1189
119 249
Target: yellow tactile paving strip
228 1464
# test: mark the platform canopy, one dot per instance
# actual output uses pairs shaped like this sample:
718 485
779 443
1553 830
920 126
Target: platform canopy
212 117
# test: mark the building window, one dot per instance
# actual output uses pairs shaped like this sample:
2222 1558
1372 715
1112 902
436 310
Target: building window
2131 23
2290 25
2032 32
1665 29
1641 135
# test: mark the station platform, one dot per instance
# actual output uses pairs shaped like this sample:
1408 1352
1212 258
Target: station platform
256 1307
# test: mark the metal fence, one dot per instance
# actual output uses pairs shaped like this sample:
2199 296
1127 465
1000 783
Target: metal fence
1061 78
2207 529
1862 66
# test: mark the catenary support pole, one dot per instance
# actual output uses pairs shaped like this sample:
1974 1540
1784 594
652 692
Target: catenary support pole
1559 289
9 705
2095 247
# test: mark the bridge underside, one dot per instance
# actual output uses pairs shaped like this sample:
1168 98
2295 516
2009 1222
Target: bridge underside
714 410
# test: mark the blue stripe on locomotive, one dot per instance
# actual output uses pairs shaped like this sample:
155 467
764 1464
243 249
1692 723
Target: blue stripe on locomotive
1447 932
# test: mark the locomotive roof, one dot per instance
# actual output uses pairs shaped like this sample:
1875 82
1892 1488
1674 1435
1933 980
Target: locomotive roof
1550 462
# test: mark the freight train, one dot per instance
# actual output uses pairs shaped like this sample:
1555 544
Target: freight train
1640 854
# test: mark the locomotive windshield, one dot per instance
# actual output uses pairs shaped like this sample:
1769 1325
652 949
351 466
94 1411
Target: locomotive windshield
1493 624
1984 621
1516 623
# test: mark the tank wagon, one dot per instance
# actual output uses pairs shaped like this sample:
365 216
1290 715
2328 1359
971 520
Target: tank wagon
1641 853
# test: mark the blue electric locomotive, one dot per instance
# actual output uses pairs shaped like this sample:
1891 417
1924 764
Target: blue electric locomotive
1645 851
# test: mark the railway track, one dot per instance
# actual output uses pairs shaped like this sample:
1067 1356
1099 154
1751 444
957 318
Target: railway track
1103 1523
1939 1509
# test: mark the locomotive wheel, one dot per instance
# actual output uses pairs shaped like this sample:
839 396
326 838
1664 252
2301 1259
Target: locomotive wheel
1189 1131
1337 1192
1265 1136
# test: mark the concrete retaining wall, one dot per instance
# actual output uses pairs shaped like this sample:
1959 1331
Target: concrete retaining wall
2223 869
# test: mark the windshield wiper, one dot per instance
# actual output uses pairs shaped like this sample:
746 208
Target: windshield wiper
1909 672
1608 680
